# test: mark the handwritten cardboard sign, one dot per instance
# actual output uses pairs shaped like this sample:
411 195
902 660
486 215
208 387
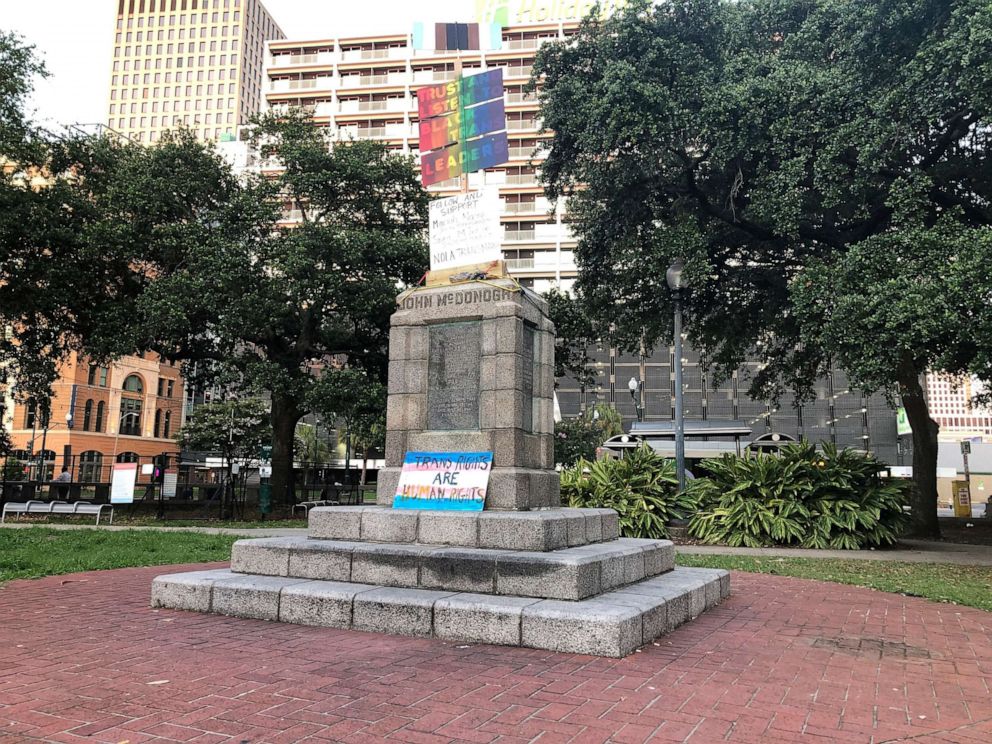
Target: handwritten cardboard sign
465 230
447 481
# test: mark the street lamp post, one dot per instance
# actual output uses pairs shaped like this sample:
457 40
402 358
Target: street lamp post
635 387
675 284
43 473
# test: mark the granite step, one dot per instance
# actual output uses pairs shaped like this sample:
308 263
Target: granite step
612 624
567 574
542 530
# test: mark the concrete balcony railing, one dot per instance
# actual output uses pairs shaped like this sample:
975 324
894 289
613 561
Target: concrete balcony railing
282 86
521 180
433 76
520 264
531 208
519 124
361 55
362 81
290 60
528 153
399 105
518 72
512 44
512 98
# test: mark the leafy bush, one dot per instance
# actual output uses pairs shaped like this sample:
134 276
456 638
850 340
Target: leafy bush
801 497
642 488
579 438
12 471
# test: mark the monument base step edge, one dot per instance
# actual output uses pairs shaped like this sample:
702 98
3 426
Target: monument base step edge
569 574
614 624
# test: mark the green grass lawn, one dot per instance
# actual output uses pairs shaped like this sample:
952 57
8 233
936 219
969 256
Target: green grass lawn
35 552
147 521
964 585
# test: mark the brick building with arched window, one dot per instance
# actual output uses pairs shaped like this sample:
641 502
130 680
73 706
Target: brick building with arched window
127 411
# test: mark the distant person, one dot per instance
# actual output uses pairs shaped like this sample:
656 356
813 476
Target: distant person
65 477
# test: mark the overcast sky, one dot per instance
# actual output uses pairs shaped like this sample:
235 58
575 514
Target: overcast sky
75 38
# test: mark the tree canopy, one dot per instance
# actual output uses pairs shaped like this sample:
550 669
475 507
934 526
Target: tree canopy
795 155
293 309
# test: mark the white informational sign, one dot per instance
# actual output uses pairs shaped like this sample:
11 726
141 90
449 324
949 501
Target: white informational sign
148 469
466 230
170 483
122 483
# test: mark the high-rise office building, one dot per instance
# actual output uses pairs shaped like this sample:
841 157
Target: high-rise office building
191 63
953 406
365 87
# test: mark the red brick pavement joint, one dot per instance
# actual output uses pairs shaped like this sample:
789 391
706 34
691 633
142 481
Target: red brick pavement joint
782 661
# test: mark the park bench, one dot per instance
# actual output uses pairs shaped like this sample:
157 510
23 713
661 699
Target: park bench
306 506
56 507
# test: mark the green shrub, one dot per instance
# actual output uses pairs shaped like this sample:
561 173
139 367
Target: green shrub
12 471
801 497
642 488
579 438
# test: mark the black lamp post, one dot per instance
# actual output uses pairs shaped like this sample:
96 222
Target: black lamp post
44 444
635 386
675 283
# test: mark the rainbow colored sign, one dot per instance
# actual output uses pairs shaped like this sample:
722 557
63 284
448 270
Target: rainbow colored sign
450 481
464 157
447 98
441 131
452 116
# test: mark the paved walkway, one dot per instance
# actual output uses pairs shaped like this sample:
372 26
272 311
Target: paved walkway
918 551
84 659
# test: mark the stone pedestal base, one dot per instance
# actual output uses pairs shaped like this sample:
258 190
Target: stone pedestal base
556 579
612 624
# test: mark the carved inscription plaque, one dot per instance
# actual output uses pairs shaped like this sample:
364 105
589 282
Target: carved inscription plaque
453 376
527 383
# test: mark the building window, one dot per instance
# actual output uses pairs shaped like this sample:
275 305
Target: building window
101 408
90 466
127 457
88 415
158 422
133 384
130 424
170 388
31 417
167 426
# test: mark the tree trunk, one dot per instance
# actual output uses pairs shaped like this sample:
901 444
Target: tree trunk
924 497
285 415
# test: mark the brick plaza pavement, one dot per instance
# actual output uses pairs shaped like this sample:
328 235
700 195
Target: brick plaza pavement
84 659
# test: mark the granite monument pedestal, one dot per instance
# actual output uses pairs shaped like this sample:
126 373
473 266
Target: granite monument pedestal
471 370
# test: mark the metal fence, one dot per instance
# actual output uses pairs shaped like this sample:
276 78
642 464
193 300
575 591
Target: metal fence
201 489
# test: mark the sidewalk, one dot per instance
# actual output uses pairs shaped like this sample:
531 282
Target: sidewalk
245 532
914 551
782 661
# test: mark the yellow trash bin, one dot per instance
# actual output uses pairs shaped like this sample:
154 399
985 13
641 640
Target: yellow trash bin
962 499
